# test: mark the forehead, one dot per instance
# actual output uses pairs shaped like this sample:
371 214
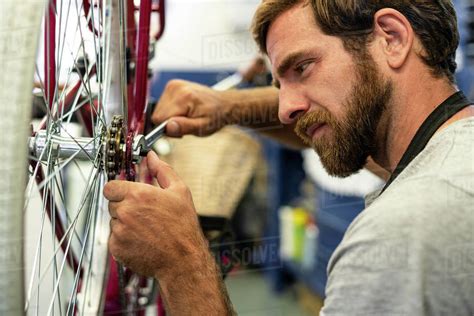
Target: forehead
292 31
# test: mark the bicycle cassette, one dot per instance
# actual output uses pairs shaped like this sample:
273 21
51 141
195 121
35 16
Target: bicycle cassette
115 147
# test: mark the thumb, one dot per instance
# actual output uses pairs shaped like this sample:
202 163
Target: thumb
179 126
164 174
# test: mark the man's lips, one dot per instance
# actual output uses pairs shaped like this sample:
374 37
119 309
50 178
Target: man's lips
314 129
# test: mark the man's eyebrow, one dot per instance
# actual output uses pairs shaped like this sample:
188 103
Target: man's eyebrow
289 61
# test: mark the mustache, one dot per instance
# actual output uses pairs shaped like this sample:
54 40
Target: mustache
308 119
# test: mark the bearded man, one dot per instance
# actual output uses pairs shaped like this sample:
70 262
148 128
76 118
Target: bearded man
354 79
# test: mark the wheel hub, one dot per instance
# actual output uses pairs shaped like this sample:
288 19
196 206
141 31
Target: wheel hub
114 149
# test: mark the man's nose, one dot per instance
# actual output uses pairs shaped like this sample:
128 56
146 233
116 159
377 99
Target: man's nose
292 103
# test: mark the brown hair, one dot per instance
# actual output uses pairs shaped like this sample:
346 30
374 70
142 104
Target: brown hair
433 21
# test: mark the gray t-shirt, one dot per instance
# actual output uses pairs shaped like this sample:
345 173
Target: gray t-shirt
411 251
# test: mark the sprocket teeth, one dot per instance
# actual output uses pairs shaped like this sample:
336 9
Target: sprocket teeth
114 147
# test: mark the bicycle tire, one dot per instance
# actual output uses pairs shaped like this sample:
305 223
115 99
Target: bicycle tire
16 60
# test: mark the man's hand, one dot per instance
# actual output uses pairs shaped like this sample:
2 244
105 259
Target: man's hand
153 228
194 109
155 232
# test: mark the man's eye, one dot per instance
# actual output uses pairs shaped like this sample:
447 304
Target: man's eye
301 67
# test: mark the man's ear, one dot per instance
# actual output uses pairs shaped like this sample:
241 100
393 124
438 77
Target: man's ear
395 35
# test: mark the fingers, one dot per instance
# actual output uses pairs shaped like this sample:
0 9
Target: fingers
175 101
113 209
114 246
160 170
173 128
113 224
186 105
180 126
116 191
165 110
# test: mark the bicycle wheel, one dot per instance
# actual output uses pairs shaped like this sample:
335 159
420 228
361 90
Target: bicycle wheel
14 102
62 249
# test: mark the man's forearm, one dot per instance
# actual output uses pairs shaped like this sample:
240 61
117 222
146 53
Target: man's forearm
257 108
195 288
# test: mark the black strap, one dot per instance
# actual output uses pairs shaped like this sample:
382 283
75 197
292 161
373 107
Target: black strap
438 117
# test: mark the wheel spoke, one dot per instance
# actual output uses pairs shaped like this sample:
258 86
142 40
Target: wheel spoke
73 227
92 183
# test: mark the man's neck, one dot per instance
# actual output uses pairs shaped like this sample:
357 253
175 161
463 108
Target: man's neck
404 116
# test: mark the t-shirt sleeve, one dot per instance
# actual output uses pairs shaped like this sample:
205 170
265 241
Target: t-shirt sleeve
369 276
405 257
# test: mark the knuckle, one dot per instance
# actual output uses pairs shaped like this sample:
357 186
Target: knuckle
170 85
116 189
137 193
186 95
113 209
121 213
156 116
118 230
108 189
113 247
182 188
134 194
112 224
124 217
173 84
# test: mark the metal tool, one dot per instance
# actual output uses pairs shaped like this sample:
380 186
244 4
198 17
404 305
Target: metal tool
142 144
155 134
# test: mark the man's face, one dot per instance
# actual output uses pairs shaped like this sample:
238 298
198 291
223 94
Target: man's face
345 151
335 98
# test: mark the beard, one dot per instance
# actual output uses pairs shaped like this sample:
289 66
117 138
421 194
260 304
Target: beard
353 139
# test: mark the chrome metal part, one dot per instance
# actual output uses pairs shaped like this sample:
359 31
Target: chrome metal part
83 148
138 146
228 83
110 149
155 134
142 144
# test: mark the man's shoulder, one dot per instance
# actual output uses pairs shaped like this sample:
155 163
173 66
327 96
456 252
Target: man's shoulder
421 200
410 237
432 199
441 176
449 153
435 194
407 238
